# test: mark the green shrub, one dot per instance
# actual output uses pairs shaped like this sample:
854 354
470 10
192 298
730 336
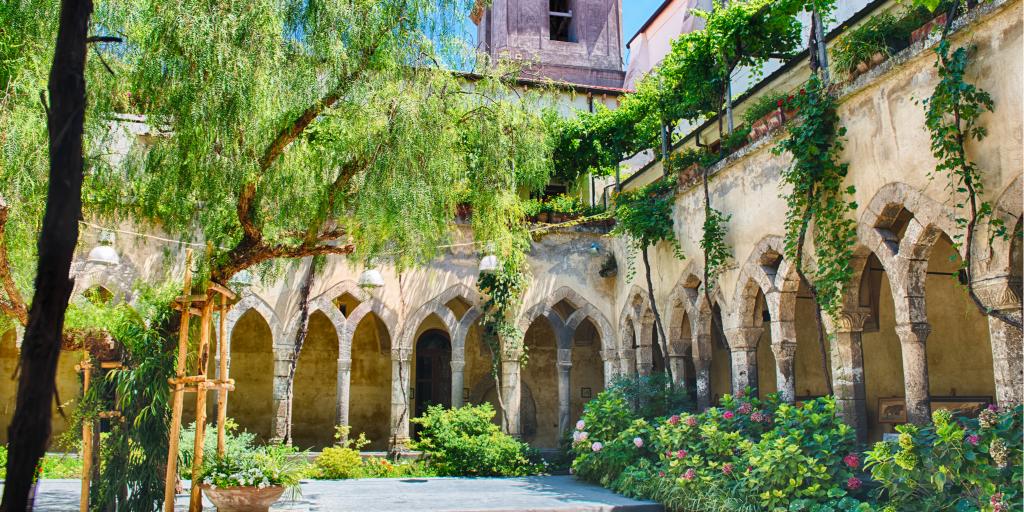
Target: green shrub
65 465
264 466
876 35
341 461
236 443
3 461
465 442
764 104
954 464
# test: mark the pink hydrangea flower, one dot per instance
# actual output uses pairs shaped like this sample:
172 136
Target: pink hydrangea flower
727 468
681 454
973 439
853 483
745 408
674 419
757 417
690 474
661 474
638 442
596 446
852 460
739 394
691 421
580 424
728 415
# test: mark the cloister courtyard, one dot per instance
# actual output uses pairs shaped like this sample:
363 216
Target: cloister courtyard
511 255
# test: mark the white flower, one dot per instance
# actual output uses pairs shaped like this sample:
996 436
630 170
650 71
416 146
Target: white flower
580 424
638 442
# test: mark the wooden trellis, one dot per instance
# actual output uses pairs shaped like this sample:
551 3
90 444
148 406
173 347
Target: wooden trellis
201 306
88 434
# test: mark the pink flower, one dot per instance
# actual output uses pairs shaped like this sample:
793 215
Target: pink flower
973 439
638 442
853 483
996 500
661 474
757 417
691 421
745 408
596 446
690 474
681 454
727 468
728 415
993 408
580 425
674 419
739 394
852 460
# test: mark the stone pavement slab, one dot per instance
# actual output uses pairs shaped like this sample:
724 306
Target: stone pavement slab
531 494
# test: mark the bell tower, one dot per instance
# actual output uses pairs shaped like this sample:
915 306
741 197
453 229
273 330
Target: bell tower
576 41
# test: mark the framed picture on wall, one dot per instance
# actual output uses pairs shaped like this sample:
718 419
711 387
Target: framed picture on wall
892 410
969 406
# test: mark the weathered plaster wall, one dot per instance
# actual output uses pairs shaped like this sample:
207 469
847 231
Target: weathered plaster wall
315 389
587 368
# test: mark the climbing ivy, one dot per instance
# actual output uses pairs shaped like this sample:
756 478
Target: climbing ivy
717 252
951 116
816 194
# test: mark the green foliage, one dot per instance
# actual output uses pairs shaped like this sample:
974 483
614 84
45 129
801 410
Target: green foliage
236 443
465 442
565 204
3 461
746 454
951 116
644 217
265 466
62 466
876 35
768 102
955 464
717 251
816 193
342 460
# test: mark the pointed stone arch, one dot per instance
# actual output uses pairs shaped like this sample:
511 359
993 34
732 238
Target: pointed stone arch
249 301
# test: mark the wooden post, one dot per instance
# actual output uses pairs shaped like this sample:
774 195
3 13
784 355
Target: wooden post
86 368
178 390
222 393
196 498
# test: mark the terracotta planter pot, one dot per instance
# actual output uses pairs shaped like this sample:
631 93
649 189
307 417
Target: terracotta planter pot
862 67
243 499
926 29
877 58
544 217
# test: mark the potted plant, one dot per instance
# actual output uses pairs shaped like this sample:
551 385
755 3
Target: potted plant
253 480
866 46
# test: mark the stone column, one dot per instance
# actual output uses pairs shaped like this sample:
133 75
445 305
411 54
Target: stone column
1003 294
743 346
915 370
848 372
627 356
611 365
401 405
703 368
645 360
458 382
283 357
564 389
511 392
344 390
785 381
677 363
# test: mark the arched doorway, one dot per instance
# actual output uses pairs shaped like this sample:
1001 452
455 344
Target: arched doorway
252 366
370 382
315 391
587 369
721 358
433 372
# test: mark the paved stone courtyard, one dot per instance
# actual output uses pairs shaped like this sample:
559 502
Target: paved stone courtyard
534 494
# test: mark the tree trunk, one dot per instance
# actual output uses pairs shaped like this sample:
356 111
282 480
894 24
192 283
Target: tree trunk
300 339
662 340
30 428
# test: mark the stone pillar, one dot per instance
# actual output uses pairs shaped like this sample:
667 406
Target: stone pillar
743 346
702 366
458 382
611 365
281 400
677 363
627 356
344 390
785 381
1003 294
848 372
564 389
401 406
511 393
915 370
645 360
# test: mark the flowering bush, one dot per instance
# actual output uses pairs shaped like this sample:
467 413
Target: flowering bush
955 464
465 442
746 454
267 466
341 461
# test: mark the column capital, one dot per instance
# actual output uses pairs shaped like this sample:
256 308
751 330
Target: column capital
344 365
847 321
628 353
565 358
458 365
1001 293
913 332
610 355
744 338
701 363
401 354
784 350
